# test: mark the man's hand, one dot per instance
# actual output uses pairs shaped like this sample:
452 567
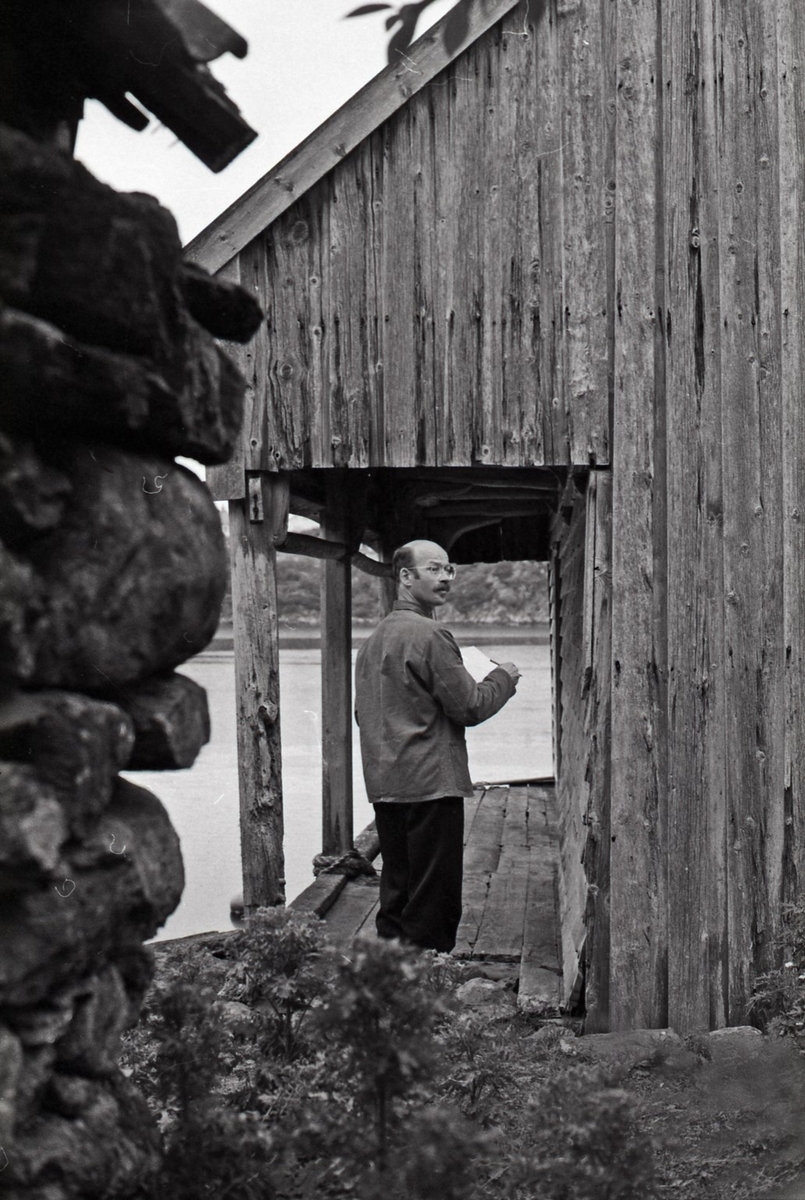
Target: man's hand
511 670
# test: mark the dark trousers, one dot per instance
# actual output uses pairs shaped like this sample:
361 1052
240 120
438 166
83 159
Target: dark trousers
420 883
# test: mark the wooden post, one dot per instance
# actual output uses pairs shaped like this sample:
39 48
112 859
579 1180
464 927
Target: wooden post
336 677
254 604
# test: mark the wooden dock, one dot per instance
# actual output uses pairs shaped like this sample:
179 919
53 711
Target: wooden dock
510 894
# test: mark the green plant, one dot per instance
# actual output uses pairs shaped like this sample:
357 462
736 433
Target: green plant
219 1154
586 1142
278 972
192 1045
478 1061
381 1020
778 999
437 1158
357 1076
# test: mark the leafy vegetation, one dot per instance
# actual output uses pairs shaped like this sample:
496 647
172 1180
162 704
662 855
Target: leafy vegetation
506 593
778 1003
404 19
282 1069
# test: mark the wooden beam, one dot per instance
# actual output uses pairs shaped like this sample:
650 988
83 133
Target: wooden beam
371 566
368 109
497 510
315 547
638 892
257 690
485 495
336 679
312 547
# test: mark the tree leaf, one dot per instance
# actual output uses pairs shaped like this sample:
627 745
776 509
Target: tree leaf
408 16
364 9
458 23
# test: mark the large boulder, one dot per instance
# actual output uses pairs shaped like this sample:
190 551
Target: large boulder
104 330
134 575
95 1140
171 722
33 829
123 883
32 495
72 745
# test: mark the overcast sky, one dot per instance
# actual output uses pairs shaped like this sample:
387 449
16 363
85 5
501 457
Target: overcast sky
304 62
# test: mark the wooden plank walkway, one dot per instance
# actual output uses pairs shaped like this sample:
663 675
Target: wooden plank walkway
510 899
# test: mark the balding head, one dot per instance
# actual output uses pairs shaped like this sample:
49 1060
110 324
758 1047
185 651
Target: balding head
416 569
414 555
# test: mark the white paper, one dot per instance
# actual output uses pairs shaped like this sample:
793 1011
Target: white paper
477 663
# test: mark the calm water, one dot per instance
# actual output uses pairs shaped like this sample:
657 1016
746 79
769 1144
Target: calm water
203 802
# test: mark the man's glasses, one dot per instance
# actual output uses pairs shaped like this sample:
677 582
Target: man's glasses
437 569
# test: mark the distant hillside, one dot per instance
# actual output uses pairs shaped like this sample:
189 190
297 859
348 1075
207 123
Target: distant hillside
485 593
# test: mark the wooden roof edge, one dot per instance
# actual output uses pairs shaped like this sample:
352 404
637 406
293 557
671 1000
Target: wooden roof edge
360 116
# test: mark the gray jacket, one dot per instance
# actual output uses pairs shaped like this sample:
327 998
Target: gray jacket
413 699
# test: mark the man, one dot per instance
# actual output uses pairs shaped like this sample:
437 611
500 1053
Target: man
413 699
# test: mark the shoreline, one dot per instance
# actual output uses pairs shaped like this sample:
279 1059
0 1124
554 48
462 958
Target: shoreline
309 637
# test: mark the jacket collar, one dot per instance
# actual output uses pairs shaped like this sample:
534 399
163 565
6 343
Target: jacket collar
412 606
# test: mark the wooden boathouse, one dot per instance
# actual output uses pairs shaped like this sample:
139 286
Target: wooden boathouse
542 297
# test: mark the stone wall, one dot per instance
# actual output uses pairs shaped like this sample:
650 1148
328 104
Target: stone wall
112 571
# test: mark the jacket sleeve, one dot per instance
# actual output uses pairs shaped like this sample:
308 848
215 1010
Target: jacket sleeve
447 679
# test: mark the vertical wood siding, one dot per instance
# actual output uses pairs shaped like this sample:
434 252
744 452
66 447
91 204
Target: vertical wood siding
707 539
751 431
600 215
439 297
638 944
697 835
572 784
790 75
581 599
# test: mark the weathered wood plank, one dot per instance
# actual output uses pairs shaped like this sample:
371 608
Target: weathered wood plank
398 352
474 896
425 251
349 914
320 896
790 57
598 732
638 939
581 52
522 38
471 806
336 679
228 481
374 238
751 425
697 953
501 933
347 304
257 690
515 826
482 850
541 827
540 967
495 133
456 114
548 261
291 294
573 783
304 166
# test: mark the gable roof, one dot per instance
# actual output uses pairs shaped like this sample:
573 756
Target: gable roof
368 109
